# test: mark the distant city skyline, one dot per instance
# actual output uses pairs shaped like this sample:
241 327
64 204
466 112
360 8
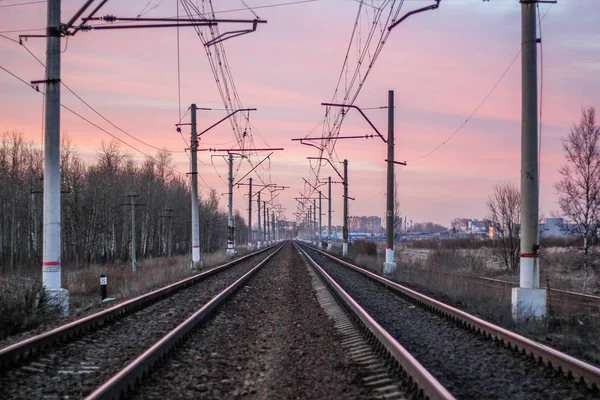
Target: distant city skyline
441 65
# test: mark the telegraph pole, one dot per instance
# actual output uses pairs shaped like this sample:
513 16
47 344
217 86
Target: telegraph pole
133 205
274 236
314 224
194 187
345 228
51 263
265 223
389 266
528 298
320 217
329 243
258 244
230 228
250 216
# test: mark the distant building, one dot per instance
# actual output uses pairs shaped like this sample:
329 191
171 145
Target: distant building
470 226
365 224
555 227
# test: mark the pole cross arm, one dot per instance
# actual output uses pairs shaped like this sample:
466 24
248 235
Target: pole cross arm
413 12
223 119
361 113
242 178
329 161
397 162
316 187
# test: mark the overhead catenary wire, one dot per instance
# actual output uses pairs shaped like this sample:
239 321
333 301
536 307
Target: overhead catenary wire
488 94
95 125
89 106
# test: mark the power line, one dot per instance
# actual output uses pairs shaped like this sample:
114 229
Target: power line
89 106
22 4
484 99
98 127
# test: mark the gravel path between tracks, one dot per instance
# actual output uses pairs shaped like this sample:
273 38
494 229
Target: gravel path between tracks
78 367
271 341
467 364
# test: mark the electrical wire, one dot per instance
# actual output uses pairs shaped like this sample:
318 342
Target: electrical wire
89 106
484 100
22 4
97 126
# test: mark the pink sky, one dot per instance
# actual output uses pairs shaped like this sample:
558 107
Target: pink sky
440 64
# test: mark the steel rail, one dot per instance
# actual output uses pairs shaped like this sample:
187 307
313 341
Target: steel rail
422 379
125 380
23 349
569 365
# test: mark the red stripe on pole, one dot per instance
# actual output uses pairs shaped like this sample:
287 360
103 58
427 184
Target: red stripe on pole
529 255
389 248
50 263
195 247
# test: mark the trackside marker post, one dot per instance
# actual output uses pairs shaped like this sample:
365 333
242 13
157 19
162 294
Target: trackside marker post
103 282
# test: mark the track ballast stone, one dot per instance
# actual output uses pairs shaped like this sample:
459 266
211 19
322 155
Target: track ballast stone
77 368
271 341
467 364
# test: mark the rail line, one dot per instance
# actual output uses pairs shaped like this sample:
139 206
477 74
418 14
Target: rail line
120 332
580 371
125 380
420 382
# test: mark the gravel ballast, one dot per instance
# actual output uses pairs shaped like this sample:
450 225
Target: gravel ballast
271 341
467 364
77 368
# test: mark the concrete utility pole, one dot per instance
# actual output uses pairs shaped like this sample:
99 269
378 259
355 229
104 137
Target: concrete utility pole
250 216
265 223
345 228
51 262
194 188
258 244
529 299
389 266
329 242
133 247
320 219
230 228
314 225
274 237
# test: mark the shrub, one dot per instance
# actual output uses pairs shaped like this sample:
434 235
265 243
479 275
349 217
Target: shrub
23 305
363 247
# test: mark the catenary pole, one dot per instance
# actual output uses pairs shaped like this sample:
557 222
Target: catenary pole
345 227
320 219
258 244
274 233
194 188
230 228
265 223
133 255
528 299
250 216
389 266
51 263
329 243
314 224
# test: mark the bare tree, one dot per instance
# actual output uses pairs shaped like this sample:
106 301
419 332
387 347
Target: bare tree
504 208
579 187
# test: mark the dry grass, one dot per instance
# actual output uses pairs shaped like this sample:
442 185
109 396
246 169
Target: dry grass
448 275
23 305
22 301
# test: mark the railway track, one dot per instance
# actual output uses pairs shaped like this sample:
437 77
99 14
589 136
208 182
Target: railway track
271 339
468 356
74 359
